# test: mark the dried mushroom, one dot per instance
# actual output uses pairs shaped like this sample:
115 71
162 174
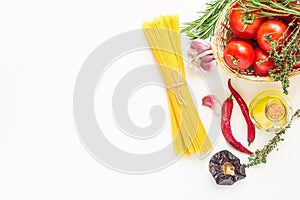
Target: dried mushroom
226 168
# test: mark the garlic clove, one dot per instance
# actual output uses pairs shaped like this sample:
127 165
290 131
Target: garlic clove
200 45
212 102
208 66
207 58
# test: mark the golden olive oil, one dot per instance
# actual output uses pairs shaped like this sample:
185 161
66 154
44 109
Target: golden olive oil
270 110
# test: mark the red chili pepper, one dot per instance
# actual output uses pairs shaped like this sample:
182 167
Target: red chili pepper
226 127
245 111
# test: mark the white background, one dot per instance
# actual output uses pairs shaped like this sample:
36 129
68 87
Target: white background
42 46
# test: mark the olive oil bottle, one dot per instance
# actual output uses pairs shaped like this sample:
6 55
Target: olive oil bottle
270 110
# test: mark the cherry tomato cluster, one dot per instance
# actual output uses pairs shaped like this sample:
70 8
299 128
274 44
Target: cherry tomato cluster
251 43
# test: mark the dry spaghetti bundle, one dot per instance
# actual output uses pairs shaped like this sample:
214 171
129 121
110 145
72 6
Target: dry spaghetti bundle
188 133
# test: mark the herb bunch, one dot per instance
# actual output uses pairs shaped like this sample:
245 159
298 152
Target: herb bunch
204 27
260 156
286 58
269 8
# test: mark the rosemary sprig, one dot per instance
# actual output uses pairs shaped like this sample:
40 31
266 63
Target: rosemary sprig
204 27
268 8
260 155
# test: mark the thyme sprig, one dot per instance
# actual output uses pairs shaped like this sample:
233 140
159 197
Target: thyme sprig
204 27
260 156
286 58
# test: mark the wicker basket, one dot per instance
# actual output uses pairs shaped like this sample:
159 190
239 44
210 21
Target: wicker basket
220 39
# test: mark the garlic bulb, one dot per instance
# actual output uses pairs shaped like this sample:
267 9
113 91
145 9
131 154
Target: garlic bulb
201 55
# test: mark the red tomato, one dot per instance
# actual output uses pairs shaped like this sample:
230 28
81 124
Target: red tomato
269 31
265 66
297 66
239 55
243 24
251 42
295 3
